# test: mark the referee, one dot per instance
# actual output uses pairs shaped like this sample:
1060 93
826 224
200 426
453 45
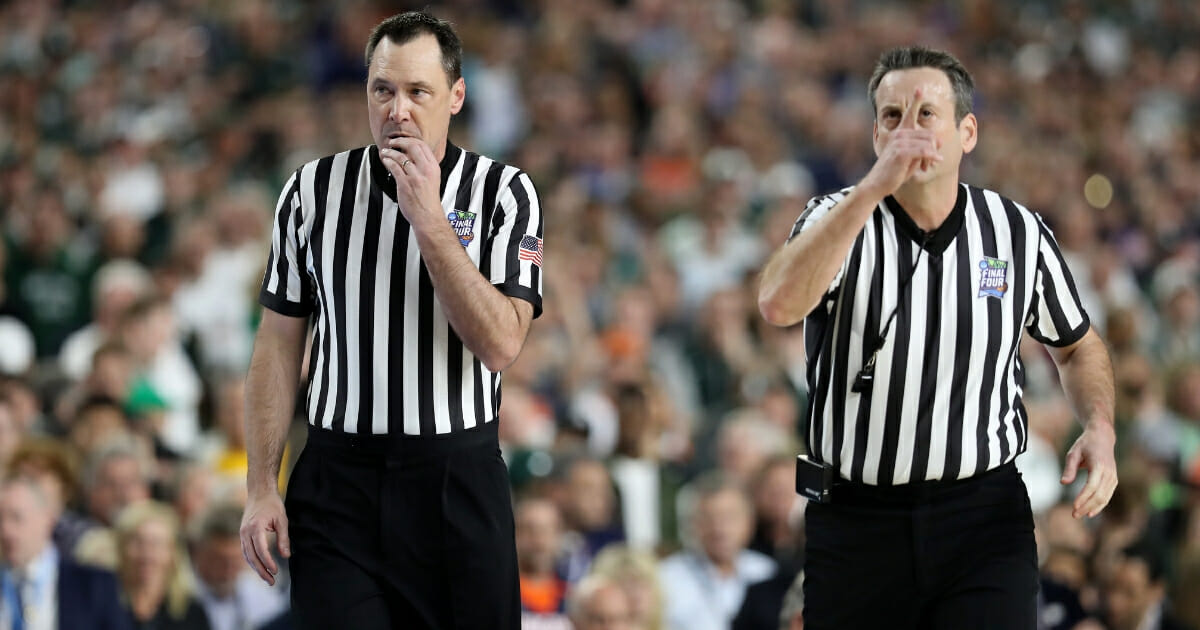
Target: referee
916 290
418 265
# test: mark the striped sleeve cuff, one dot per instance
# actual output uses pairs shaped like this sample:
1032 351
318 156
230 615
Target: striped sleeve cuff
513 289
1068 337
283 306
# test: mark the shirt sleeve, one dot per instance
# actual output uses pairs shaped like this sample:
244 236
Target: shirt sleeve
814 212
285 287
515 265
1057 317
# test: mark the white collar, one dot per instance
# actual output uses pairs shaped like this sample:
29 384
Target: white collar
43 566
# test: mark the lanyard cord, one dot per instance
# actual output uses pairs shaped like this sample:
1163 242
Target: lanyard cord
866 375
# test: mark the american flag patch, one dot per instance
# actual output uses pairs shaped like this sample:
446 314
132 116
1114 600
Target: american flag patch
531 249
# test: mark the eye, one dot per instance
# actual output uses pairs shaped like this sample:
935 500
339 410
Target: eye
383 90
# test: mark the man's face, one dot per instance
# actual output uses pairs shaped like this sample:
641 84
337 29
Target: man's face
723 525
118 483
409 93
537 537
590 495
218 563
934 112
1130 594
25 524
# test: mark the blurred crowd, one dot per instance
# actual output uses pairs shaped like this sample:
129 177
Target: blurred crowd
650 424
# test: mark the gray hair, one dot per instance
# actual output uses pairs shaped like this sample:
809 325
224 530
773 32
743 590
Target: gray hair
120 447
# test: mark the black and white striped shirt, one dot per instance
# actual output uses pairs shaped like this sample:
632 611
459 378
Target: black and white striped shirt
384 357
946 398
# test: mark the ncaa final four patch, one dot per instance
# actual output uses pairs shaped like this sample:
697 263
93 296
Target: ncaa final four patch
993 277
463 223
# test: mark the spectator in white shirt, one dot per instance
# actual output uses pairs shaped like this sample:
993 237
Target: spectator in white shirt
705 583
232 596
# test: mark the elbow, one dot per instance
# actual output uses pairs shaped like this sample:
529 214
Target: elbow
776 312
499 358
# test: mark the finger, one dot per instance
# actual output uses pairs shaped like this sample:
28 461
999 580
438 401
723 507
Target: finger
1086 501
1103 494
252 560
1083 503
910 112
409 148
1070 467
262 548
282 539
393 161
1095 504
421 153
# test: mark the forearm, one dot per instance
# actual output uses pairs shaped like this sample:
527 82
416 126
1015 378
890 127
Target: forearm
1087 378
796 276
487 321
271 387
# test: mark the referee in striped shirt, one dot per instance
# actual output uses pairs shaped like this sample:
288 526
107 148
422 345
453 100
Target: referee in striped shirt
418 265
915 290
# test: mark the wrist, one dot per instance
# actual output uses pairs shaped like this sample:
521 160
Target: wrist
261 488
871 193
1098 424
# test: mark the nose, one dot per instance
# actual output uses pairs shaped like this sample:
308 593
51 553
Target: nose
400 109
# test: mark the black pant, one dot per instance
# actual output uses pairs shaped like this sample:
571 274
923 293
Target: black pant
402 533
949 555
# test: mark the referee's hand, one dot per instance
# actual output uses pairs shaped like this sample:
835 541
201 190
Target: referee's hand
264 514
418 179
908 148
1094 452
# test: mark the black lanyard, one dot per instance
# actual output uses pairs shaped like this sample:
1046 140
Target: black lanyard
866 376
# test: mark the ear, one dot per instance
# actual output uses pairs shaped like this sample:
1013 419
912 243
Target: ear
968 132
458 93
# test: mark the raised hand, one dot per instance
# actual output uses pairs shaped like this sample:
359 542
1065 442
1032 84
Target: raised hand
909 148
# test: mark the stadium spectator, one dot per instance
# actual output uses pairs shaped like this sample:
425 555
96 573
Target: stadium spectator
599 603
53 590
232 596
154 570
539 541
637 573
705 583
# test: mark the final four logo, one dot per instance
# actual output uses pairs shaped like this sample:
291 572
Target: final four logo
463 223
993 277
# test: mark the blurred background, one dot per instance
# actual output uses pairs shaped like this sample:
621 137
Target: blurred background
652 415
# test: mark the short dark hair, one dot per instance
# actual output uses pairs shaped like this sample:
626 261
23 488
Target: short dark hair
404 27
1150 554
921 57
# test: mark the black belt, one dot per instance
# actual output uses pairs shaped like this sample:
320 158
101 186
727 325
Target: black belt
917 493
397 449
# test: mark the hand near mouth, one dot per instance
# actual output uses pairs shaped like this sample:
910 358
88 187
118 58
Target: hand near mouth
418 177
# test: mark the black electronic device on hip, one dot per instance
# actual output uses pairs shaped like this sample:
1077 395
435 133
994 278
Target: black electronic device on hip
814 480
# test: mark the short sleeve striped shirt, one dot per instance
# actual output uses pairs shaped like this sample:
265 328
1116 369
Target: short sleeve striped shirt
946 398
384 357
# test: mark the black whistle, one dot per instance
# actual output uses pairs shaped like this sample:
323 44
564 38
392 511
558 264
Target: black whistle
864 380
